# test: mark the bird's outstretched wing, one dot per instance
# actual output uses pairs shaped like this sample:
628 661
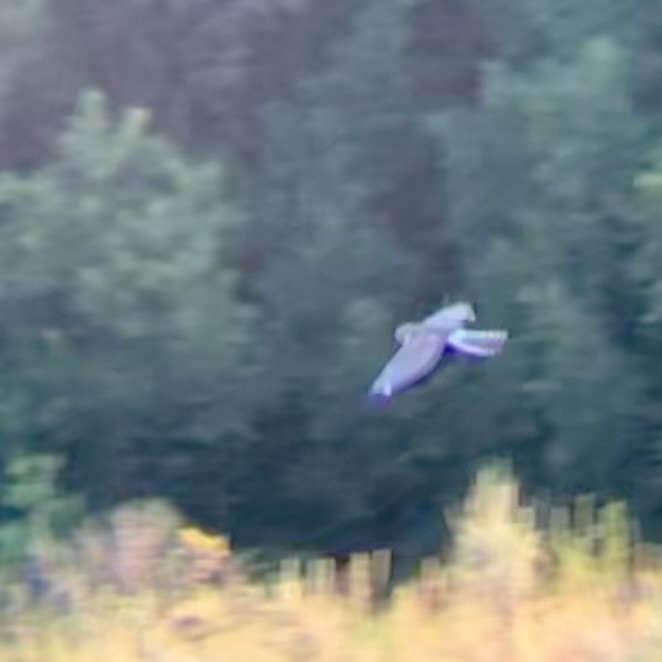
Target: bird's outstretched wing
482 344
414 361
450 316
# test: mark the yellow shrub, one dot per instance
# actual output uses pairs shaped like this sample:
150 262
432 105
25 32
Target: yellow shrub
491 602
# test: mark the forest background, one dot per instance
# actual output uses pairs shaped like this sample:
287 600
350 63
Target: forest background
214 213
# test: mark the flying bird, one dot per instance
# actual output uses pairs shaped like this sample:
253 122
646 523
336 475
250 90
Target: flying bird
423 345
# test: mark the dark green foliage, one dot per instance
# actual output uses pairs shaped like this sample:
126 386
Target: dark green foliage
117 309
202 262
35 512
540 181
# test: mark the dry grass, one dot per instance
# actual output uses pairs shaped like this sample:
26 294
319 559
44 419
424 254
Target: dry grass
511 593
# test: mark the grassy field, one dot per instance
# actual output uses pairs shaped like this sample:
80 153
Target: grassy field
512 591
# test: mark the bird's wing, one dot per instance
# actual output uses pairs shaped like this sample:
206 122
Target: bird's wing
477 343
450 316
411 363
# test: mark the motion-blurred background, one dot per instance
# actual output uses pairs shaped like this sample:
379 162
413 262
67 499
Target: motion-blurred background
214 213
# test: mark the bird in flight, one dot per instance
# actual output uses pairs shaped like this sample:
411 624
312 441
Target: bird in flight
424 344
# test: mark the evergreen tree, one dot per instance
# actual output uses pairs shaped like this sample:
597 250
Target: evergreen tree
119 322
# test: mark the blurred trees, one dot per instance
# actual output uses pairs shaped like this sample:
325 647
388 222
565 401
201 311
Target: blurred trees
202 262
540 187
113 303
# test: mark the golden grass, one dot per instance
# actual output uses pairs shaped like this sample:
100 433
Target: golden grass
510 593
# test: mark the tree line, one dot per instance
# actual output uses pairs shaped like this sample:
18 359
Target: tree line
213 214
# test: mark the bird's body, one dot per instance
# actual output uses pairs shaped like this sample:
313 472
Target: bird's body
424 344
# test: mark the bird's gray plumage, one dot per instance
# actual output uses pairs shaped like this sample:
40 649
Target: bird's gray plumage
423 345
